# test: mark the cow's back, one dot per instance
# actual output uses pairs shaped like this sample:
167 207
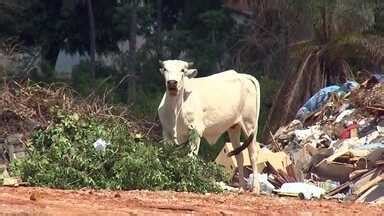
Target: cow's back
220 101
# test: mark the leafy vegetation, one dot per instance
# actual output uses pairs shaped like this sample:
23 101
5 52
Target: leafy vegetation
63 156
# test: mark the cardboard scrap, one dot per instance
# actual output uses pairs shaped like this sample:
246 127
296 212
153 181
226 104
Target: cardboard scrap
10 181
230 163
374 195
367 181
279 160
334 170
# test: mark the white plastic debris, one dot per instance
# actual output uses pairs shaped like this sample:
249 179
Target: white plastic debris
307 191
100 144
138 136
380 129
303 134
265 185
306 133
370 137
344 114
328 185
226 187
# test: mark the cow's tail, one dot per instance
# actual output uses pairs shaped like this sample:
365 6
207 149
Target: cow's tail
253 135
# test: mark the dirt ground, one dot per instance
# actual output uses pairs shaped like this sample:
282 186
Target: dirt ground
43 201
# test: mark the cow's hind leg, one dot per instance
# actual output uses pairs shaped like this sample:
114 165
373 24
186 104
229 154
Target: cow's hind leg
253 150
234 135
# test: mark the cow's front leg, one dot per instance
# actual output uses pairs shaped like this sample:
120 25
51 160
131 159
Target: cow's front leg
194 139
195 146
167 136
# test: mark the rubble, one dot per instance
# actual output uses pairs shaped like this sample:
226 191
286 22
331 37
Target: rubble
335 151
343 142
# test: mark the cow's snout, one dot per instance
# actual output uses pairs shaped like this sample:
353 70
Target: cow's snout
172 83
172 87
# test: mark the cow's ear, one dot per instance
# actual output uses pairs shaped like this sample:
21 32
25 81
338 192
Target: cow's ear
191 73
190 64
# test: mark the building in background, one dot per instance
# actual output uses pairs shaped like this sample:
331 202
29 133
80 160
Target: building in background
65 61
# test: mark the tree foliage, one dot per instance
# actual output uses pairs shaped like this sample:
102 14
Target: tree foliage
56 25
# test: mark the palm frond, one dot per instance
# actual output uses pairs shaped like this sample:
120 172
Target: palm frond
300 50
363 46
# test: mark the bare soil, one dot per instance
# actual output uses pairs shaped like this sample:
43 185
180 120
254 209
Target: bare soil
44 201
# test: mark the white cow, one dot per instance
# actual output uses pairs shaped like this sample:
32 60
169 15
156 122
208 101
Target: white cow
227 101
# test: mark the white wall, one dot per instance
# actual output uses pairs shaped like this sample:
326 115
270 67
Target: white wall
65 61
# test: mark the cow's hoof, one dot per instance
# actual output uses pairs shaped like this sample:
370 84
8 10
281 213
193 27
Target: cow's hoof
241 191
255 192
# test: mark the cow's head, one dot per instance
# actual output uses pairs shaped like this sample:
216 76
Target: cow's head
175 72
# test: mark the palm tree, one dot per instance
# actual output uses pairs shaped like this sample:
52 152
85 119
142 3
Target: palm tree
341 42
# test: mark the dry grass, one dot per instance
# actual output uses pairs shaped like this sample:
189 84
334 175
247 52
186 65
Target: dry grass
25 107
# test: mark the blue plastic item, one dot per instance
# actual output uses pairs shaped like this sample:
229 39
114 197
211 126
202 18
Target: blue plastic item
317 100
321 97
379 77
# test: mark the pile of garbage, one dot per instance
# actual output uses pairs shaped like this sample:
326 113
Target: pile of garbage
336 142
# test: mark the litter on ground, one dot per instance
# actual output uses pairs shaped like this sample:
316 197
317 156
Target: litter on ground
334 149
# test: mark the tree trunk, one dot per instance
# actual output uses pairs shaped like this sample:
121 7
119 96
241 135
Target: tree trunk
92 38
159 21
131 98
324 19
286 41
188 9
50 52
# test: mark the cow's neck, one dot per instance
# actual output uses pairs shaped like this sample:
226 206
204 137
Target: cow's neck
174 109
174 103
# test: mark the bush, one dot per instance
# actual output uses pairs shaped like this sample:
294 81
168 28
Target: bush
147 104
62 156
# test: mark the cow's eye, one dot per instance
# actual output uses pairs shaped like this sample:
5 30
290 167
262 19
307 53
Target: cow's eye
183 70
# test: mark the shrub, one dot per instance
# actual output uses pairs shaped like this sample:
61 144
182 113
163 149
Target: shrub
63 156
